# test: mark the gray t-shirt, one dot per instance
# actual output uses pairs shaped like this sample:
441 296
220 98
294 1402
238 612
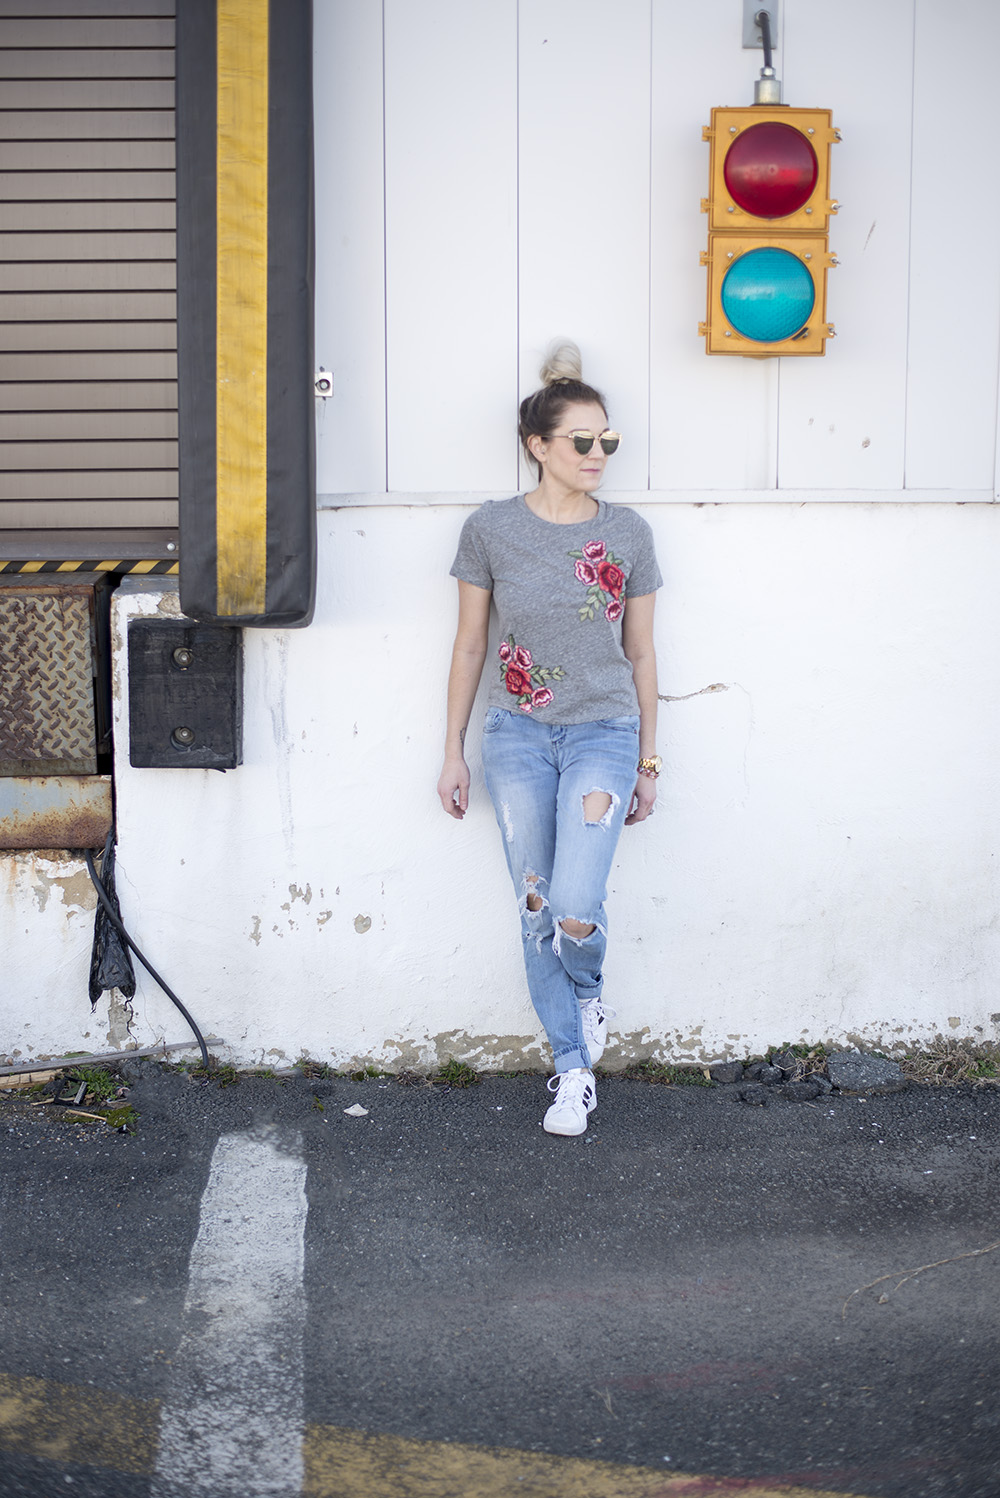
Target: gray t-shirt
559 592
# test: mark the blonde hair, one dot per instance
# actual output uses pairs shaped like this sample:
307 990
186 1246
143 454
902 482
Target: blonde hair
562 385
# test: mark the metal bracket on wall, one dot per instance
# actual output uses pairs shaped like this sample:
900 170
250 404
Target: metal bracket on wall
185 695
751 31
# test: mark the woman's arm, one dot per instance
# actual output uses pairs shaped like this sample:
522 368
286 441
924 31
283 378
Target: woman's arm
637 642
466 668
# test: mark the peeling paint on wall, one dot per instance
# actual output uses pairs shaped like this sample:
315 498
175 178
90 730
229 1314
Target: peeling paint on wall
119 1020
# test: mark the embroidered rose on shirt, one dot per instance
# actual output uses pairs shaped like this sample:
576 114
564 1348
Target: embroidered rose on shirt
601 573
523 679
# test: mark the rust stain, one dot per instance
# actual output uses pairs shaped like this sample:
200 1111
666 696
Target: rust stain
63 811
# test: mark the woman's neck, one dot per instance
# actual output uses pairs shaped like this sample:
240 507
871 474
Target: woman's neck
561 506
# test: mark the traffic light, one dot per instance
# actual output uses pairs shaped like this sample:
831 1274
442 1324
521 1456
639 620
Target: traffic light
769 210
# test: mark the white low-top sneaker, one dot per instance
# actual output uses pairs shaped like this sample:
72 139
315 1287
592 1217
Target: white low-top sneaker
576 1096
594 1018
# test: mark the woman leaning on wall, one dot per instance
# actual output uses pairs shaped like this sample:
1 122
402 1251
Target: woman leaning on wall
569 739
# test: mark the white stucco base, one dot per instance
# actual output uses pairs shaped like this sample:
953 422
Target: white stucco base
822 864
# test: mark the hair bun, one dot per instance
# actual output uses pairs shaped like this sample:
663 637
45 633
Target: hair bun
562 362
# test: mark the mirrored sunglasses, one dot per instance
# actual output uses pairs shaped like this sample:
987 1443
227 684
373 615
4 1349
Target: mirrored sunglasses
583 441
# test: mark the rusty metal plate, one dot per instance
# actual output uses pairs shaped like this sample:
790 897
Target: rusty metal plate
47 679
55 811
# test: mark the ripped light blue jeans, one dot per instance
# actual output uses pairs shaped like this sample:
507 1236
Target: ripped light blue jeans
538 775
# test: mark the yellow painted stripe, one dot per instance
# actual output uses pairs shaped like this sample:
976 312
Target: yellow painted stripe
241 307
69 566
142 566
32 566
68 1423
339 1461
173 570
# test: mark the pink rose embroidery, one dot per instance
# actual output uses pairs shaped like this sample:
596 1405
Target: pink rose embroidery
523 679
517 682
603 576
611 578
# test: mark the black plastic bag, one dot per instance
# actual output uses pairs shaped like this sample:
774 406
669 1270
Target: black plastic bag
110 960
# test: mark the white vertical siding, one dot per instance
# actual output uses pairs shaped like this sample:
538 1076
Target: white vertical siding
350 240
955 230
841 418
542 173
584 85
451 237
714 421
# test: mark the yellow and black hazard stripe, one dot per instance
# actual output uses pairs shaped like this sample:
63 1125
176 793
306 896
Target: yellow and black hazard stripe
122 568
245 310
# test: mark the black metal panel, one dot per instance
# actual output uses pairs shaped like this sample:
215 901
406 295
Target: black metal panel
185 695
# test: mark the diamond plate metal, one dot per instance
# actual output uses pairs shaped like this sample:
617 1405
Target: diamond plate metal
47 680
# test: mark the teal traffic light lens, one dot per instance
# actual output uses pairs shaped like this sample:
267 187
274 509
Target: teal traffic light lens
768 295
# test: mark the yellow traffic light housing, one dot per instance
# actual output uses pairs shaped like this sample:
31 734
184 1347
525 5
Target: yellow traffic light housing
769 208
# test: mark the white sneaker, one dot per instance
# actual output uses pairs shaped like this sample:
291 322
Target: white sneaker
595 1028
576 1096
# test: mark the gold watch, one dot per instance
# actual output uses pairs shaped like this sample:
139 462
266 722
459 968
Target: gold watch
651 765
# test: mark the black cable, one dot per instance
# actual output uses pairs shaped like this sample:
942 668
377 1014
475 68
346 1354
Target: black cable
763 19
109 911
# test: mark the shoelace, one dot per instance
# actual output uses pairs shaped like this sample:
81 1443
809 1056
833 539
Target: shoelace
566 1079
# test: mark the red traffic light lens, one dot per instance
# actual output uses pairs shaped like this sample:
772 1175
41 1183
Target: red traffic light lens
770 170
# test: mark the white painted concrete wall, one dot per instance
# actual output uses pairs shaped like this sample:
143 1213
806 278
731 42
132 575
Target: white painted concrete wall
823 863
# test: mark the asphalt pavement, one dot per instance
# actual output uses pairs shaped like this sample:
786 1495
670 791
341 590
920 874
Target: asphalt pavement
258 1292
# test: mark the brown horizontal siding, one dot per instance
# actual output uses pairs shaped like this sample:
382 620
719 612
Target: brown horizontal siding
27 186
117 365
94 306
93 275
93 395
36 8
88 371
107 63
60 516
26 545
82 31
72 337
86 124
67 426
79 216
87 155
118 483
54 457
110 246
89 93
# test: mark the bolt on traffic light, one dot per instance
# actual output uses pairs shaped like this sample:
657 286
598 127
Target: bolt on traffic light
769 209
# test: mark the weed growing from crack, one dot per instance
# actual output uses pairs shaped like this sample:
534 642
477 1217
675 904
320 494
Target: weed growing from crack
456 1074
947 1061
100 1084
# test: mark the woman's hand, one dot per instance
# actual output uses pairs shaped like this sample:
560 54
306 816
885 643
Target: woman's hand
453 787
643 800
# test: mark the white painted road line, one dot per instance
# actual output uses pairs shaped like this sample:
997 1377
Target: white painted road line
232 1419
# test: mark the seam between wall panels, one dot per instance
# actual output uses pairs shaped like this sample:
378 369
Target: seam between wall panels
517 234
909 244
385 269
649 268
